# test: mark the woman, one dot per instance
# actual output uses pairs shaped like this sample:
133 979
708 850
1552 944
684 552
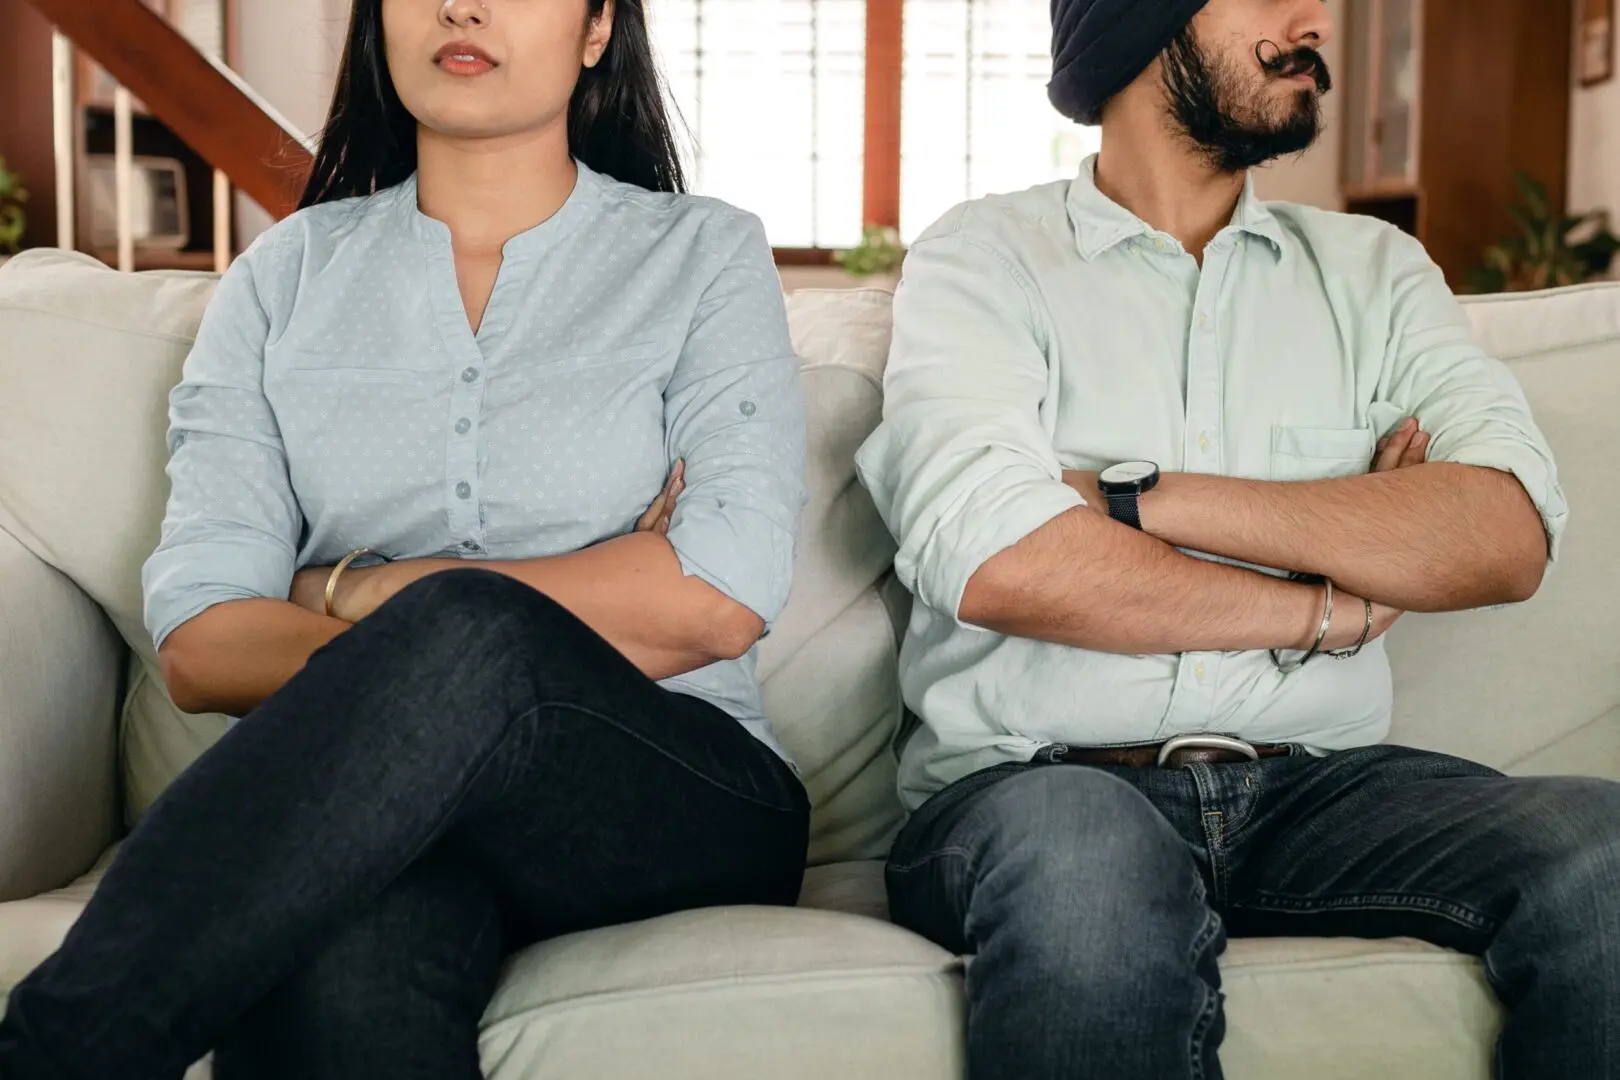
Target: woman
481 345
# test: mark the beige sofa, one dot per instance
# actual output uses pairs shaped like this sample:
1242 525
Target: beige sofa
829 991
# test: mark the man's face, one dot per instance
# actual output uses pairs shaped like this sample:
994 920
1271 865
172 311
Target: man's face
1244 81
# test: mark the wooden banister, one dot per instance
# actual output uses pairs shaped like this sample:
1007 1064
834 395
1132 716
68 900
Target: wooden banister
203 102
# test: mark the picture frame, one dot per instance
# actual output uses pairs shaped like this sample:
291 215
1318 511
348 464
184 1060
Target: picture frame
1594 46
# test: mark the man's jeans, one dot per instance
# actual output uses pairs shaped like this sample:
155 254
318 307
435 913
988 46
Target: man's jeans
329 892
1096 901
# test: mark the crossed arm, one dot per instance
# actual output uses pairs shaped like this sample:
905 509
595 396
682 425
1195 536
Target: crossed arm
992 531
686 588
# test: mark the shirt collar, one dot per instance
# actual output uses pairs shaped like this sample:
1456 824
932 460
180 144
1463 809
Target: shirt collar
575 210
1101 224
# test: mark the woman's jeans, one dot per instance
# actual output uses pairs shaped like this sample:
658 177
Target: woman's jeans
330 891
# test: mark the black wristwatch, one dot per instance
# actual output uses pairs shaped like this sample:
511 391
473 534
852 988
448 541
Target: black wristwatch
1123 484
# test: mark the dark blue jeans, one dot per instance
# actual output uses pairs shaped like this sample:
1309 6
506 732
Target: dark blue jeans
1096 901
329 892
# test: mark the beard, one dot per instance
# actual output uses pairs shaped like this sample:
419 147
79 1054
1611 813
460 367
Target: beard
1217 106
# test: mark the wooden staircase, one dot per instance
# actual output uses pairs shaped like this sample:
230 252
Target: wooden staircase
201 101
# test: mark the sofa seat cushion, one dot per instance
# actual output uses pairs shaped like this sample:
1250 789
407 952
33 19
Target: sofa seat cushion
828 990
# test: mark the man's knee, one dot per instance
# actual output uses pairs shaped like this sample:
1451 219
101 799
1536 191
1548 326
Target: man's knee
1571 829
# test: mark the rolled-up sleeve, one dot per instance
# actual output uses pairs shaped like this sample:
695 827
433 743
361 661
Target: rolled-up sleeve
232 525
1470 404
733 411
962 467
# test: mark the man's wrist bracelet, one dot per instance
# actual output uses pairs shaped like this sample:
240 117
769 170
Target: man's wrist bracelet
1291 666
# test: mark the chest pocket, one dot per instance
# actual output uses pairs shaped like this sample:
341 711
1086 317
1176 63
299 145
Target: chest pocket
1308 453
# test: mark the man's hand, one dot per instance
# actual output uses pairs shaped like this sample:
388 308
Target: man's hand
1406 446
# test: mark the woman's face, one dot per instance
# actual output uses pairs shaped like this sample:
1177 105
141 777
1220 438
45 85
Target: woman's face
487 68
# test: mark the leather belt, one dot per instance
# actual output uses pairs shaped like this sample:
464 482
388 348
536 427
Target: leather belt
1175 754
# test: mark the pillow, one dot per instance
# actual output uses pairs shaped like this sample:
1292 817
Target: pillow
86 364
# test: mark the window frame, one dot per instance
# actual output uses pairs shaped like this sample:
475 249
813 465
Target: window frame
880 182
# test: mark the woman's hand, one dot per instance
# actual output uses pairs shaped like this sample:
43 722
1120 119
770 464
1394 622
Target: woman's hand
656 519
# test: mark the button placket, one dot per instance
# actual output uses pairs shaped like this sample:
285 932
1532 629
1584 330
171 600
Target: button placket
1202 448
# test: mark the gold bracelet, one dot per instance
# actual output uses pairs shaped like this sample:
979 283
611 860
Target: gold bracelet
331 582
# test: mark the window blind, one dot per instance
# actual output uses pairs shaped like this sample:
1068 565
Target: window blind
975 117
772 93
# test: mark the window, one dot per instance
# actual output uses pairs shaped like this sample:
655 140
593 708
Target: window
823 115
772 92
975 117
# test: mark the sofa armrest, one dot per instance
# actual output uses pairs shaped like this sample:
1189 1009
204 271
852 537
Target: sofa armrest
59 663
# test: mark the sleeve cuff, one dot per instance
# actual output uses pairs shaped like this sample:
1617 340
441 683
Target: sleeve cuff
979 528
1536 476
751 566
182 582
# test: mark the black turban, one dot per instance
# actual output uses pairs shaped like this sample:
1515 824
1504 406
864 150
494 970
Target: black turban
1100 46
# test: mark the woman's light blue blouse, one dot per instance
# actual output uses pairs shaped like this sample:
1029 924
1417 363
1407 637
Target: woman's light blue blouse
338 398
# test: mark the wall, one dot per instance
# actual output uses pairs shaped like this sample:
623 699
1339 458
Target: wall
288 53
1594 149
27 133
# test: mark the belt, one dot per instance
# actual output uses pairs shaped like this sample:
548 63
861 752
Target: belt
1178 753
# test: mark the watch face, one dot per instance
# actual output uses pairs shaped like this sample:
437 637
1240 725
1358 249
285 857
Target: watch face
1130 472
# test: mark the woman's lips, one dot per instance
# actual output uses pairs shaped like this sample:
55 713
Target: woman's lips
464 58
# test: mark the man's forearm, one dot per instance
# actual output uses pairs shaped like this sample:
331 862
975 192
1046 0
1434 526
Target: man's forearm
631 590
1435 537
1086 581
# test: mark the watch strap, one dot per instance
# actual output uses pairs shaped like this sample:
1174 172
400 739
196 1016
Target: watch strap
1123 508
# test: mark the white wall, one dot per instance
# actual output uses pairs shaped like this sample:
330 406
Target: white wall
1594 149
289 55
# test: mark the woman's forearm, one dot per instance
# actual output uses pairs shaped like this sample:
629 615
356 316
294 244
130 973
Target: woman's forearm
631 590
234 655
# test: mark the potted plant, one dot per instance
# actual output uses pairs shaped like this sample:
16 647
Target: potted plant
1544 253
877 258
12 219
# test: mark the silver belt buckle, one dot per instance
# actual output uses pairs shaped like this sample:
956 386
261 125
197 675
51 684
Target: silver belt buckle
1207 742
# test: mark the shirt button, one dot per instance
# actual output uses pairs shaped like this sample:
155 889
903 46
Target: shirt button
1203 322
1203 441
1158 245
463 426
470 375
463 490
1200 671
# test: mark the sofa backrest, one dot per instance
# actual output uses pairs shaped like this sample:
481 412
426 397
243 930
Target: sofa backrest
88 357
1537 687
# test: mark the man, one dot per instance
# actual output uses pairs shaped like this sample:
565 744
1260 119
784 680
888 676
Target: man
1128 751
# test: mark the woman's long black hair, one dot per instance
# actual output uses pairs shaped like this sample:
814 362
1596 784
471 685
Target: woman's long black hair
617 120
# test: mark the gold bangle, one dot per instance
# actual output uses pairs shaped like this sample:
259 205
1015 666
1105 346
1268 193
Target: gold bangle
331 582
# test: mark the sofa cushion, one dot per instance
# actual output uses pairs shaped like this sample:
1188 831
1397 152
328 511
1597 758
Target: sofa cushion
824 991
86 365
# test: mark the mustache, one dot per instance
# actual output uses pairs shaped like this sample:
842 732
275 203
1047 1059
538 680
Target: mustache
1301 61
